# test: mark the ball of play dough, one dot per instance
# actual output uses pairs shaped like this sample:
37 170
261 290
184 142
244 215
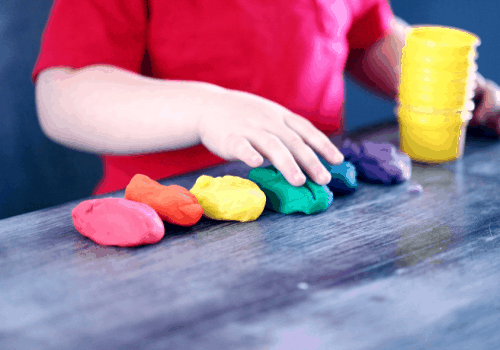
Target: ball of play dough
118 222
350 150
382 163
343 177
285 198
174 204
229 198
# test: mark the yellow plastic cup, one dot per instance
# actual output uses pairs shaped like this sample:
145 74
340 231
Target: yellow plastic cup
428 58
414 81
446 65
435 137
439 50
439 77
467 106
462 53
450 90
444 38
453 67
436 95
414 86
436 101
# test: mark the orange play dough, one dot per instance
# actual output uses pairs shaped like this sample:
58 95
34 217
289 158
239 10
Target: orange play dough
173 203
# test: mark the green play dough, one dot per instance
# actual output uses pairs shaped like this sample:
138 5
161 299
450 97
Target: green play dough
286 199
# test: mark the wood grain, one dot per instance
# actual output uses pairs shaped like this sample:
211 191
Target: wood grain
380 269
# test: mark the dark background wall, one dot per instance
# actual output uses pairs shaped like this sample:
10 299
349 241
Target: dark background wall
36 173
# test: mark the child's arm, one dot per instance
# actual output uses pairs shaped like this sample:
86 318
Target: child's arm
378 67
104 109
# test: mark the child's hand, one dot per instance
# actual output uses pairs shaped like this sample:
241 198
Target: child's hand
487 110
239 125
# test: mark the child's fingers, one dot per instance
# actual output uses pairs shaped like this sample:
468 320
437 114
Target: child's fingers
315 138
240 148
279 155
487 104
480 83
304 155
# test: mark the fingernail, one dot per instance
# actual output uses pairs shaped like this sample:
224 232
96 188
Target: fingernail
299 178
255 160
324 178
332 151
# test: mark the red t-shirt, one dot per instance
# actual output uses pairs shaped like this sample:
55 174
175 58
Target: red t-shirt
292 52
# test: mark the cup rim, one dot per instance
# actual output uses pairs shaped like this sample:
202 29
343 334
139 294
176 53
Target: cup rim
416 61
419 31
442 79
428 111
416 94
464 86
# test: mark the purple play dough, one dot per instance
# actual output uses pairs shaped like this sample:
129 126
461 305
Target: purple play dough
350 151
378 162
382 162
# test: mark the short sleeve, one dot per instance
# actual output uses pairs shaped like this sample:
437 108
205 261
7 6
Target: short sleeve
81 33
371 22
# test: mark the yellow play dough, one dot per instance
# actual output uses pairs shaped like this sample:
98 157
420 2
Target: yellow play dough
229 198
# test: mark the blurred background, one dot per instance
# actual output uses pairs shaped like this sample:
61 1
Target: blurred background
36 173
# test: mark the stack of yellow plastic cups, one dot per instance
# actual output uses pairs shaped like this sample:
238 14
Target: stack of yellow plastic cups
436 88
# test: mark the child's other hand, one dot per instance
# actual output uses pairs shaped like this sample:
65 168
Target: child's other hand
487 110
239 125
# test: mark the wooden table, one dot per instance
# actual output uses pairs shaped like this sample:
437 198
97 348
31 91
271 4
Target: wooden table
380 269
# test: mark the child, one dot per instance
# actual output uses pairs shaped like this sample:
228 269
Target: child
167 87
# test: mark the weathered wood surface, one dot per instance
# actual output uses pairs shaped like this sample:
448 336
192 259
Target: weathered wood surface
380 269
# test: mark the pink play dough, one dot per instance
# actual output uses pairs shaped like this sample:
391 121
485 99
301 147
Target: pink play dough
117 221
